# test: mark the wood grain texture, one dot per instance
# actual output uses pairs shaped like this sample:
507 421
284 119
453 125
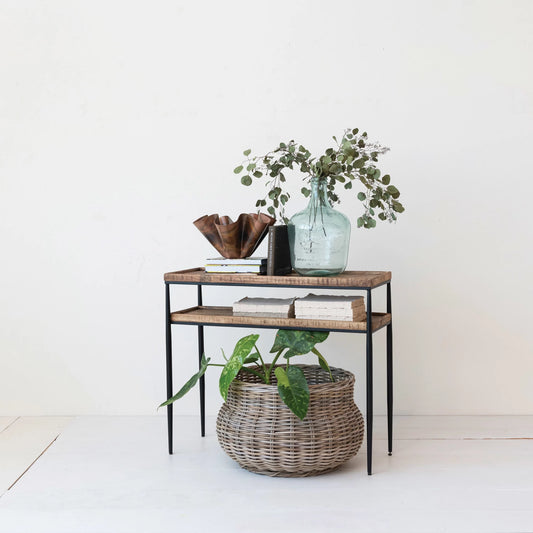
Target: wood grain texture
224 315
348 280
237 239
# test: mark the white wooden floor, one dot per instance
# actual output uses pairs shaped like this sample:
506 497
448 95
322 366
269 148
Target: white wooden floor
112 475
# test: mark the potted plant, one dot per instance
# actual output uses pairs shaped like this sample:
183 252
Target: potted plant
319 235
284 420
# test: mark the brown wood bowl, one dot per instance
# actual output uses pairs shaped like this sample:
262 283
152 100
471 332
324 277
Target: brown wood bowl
235 240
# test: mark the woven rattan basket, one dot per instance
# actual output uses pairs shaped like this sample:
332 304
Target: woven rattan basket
256 429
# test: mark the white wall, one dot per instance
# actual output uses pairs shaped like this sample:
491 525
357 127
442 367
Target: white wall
121 122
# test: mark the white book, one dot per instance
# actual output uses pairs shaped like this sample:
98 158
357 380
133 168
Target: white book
234 269
242 261
329 312
325 301
258 306
263 314
343 318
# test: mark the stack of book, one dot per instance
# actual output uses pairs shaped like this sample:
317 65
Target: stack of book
271 307
325 307
247 265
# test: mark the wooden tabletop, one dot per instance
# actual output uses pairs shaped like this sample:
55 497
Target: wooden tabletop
364 279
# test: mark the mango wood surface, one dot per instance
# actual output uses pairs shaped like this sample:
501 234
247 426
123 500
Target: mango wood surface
349 279
224 315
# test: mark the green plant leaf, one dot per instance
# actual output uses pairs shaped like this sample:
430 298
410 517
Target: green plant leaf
242 350
323 363
305 191
385 179
191 383
238 169
274 193
398 207
296 341
293 390
361 196
252 358
247 152
394 192
258 174
246 180
360 222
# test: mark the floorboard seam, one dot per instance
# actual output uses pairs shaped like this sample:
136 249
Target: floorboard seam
10 424
33 462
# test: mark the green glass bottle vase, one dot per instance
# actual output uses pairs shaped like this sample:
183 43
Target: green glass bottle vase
319 236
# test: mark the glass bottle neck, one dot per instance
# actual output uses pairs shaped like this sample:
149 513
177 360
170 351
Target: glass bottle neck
319 192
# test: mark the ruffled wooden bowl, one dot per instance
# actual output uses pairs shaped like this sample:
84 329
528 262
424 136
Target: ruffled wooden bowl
235 240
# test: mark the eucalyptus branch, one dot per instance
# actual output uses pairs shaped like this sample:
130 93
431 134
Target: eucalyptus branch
353 159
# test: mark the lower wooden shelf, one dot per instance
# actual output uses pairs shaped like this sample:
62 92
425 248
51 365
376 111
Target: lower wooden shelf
223 316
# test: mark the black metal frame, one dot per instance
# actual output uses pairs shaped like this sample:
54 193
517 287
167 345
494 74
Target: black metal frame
369 355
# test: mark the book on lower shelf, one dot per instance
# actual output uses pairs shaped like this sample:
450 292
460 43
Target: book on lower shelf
329 307
267 307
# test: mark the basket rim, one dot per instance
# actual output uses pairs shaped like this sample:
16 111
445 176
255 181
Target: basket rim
349 378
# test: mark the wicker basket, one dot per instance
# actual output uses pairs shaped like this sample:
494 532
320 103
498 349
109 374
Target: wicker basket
256 429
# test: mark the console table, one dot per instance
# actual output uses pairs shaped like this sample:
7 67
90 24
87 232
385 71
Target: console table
201 316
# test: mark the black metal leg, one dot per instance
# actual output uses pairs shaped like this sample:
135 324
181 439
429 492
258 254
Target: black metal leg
389 369
169 364
369 383
202 379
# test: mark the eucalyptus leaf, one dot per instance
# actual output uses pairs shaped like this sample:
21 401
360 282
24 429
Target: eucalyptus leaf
354 158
